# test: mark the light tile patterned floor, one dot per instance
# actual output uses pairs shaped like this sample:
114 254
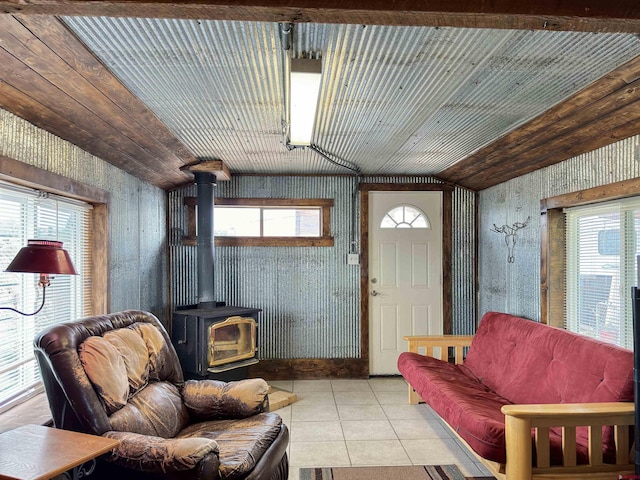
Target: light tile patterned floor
366 422
345 422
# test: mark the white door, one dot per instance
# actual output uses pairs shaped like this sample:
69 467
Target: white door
405 273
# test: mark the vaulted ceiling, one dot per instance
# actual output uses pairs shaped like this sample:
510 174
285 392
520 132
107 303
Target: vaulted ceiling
418 94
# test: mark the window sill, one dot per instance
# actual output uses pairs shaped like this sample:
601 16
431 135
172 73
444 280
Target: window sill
33 411
265 241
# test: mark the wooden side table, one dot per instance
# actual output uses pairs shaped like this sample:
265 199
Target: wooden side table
33 452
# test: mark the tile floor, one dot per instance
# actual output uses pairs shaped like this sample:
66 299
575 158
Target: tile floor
341 423
366 422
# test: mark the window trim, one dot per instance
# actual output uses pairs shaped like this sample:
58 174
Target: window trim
30 176
553 242
325 240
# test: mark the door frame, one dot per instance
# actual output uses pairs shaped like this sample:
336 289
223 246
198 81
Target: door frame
447 194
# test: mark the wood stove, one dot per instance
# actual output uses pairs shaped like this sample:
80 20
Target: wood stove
215 342
212 340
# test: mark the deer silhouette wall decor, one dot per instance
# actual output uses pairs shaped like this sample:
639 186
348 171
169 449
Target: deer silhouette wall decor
510 236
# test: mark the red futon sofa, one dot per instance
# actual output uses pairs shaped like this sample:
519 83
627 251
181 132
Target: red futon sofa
521 375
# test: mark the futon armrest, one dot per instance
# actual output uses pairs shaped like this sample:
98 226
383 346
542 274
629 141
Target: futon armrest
147 453
573 414
213 399
425 345
521 419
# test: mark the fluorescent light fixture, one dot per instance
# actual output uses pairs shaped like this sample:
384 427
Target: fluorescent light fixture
305 87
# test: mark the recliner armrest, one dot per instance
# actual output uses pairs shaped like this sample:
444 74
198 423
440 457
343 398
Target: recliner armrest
147 453
213 399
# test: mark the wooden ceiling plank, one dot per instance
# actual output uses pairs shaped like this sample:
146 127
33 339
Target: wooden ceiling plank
27 81
52 32
478 182
22 44
539 130
602 88
43 93
618 125
39 115
626 96
577 15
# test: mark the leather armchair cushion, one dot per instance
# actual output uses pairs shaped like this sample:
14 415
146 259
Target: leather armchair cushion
134 353
211 399
105 367
155 410
241 442
154 454
162 361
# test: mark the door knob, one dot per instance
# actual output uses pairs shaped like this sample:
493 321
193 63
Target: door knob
374 293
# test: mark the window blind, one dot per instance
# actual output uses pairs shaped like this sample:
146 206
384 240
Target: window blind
31 214
602 244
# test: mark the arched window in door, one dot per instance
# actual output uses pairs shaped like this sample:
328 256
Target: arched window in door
405 216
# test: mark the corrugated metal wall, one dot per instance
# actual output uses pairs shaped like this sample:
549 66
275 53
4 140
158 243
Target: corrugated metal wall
515 287
309 295
137 212
464 261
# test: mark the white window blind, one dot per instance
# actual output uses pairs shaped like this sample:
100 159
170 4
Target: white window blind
30 214
602 244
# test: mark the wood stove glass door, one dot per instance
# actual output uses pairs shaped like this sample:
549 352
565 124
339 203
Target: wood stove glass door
232 340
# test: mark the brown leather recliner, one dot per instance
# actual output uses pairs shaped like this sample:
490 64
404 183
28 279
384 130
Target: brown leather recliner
119 376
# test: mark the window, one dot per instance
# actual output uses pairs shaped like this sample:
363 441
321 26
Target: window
405 216
29 214
602 244
266 222
237 221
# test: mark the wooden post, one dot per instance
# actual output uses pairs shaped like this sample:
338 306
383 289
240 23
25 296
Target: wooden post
518 444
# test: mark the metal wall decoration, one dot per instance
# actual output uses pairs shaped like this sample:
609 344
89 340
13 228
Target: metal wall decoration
510 236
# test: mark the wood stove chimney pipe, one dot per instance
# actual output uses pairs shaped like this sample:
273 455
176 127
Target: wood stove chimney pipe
205 182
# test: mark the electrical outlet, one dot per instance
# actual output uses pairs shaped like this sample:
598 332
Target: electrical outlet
353 259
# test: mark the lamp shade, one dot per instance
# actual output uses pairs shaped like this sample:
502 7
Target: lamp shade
42 256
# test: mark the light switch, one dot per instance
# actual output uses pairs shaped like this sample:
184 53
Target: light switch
353 259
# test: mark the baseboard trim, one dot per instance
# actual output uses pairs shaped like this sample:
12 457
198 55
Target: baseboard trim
310 368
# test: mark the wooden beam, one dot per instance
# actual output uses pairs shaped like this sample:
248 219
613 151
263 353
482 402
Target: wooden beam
621 100
73 52
50 79
608 192
100 259
24 106
605 112
364 277
578 15
217 167
63 117
447 264
37 178
553 267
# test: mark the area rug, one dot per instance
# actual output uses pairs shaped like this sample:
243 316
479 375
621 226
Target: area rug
412 472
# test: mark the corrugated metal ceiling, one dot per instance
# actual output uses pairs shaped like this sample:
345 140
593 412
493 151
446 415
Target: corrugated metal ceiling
394 100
